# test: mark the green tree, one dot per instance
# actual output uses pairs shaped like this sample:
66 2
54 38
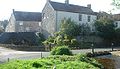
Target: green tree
117 31
60 40
68 30
85 29
70 27
105 28
116 3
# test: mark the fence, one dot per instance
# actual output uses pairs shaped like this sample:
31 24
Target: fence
23 47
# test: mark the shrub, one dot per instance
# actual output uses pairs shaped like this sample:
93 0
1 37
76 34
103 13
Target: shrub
36 65
41 38
61 50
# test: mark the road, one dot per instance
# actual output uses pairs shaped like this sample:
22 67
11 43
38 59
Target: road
8 54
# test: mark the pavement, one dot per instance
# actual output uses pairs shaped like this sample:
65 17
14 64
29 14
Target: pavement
9 54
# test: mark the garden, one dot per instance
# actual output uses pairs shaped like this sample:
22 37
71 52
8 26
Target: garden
61 58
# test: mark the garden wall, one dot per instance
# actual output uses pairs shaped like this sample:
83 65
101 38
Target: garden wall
23 47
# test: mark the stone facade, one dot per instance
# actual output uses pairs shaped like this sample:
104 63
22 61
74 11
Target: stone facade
48 20
116 18
75 17
11 25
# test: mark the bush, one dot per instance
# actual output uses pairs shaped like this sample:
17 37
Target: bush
61 50
41 38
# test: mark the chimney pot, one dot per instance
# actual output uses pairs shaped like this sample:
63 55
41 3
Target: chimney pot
13 10
48 0
67 1
89 6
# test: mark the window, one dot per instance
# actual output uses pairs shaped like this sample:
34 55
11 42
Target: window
40 24
89 18
21 23
27 29
116 24
80 17
21 29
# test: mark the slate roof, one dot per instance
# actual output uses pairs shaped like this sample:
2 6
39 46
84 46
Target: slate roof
71 8
27 16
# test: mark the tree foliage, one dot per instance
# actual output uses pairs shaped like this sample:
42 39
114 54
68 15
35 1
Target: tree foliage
105 28
60 40
117 34
116 3
85 29
65 36
70 27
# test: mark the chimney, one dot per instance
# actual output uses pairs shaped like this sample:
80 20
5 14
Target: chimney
13 10
89 6
48 0
67 1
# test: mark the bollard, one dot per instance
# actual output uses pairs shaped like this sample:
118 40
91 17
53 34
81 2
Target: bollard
8 59
41 54
112 44
92 48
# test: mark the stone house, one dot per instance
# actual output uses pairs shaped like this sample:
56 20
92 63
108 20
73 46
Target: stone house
24 22
54 12
116 18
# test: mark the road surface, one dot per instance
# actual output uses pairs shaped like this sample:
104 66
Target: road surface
8 54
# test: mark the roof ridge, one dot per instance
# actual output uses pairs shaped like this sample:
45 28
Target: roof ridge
70 4
26 12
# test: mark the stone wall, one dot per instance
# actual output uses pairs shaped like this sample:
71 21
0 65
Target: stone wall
28 26
23 47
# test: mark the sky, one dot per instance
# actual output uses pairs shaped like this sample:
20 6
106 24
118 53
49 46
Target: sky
6 6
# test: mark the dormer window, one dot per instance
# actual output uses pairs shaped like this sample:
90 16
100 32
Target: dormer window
80 17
